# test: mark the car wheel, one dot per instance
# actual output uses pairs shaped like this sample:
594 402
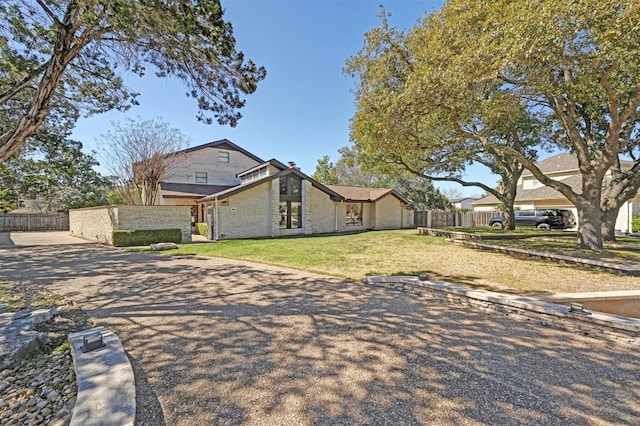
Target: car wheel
496 225
544 226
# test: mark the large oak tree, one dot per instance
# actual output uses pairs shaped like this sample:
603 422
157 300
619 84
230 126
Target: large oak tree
61 58
573 64
403 124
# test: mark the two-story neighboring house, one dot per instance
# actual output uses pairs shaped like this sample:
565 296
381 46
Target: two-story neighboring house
531 194
242 196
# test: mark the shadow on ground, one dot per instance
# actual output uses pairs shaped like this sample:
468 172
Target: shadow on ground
215 341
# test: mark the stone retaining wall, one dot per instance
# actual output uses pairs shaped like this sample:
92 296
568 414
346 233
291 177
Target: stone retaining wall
596 324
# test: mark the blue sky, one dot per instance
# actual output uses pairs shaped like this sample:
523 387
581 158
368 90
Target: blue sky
301 111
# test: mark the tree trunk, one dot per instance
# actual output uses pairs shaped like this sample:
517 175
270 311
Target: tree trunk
590 224
508 200
66 47
609 224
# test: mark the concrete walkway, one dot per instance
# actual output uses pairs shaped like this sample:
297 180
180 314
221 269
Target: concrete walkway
214 341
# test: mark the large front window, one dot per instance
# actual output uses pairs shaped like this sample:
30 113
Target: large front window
354 214
290 202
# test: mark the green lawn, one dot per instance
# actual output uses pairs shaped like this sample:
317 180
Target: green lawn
354 256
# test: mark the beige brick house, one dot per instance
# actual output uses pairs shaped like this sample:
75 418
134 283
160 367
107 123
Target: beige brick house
242 196
531 194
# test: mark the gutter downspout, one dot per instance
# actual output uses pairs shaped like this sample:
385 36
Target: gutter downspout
216 220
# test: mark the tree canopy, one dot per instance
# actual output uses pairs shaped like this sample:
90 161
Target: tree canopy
399 126
566 77
59 59
138 153
54 174
349 171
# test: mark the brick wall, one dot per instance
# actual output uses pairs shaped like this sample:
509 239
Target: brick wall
388 213
94 223
97 223
246 214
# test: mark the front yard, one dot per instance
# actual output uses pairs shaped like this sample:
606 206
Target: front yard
404 252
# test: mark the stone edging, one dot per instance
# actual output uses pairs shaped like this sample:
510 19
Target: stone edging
596 324
625 269
106 386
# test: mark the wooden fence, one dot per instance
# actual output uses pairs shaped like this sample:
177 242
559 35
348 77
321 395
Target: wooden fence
34 222
449 219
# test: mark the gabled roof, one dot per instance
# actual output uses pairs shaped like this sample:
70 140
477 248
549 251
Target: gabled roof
461 199
358 193
541 193
189 190
557 163
273 162
289 170
222 144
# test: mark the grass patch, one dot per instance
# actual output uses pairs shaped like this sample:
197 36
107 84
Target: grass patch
404 252
627 252
24 296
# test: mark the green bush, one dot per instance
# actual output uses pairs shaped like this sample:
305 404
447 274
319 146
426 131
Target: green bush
145 237
202 228
635 224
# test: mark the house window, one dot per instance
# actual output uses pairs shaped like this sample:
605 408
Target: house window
290 202
201 177
290 214
354 214
223 156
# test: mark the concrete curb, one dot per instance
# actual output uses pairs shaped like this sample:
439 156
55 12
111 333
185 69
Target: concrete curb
106 385
598 324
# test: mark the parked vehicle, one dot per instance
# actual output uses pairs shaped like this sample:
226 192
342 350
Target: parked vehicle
540 219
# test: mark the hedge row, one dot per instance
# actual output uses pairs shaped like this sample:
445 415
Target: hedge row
145 237
202 228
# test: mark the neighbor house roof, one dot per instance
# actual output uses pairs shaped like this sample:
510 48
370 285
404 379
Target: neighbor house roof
222 144
558 163
535 194
358 193
189 190
289 170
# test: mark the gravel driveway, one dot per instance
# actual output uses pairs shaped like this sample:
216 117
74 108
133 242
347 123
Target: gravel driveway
214 341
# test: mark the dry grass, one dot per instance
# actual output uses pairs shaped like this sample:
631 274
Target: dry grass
403 252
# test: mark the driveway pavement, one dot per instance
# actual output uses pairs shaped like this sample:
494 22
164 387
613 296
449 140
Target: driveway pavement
215 341
23 239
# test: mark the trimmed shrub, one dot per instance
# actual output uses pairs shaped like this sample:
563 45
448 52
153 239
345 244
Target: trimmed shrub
635 224
143 237
202 228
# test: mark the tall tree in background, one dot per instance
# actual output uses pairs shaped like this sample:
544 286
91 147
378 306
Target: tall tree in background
350 172
54 174
574 65
400 126
325 172
61 58
138 154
